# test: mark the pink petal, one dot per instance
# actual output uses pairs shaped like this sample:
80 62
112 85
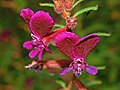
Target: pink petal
33 53
65 41
40 54
26 14
84 45
76 73
91 70
41 23
28 45
66 70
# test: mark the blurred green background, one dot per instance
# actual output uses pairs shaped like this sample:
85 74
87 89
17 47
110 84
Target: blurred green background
13 57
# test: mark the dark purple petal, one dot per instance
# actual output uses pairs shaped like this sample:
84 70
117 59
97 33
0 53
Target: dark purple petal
28 45
41 23
26 14
91 70
33 53
65 41
66 70
84 45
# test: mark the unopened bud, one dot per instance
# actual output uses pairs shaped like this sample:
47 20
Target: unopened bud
71 22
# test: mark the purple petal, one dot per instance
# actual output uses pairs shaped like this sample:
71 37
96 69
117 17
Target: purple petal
28 45
84 45
26 14
91 70
66 70
41 23
40 54
37 69
76 73
65 41
33 53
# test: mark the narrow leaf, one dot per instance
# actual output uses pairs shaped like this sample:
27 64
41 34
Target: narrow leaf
58 80
76 3
59 25
61 83
94 8
46 4
94 82
103 34
101 68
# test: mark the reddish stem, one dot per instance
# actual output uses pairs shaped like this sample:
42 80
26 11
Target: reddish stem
78 84
46 40
49 64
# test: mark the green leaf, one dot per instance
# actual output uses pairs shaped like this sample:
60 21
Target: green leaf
101 67
47 4
94 8
94 82
61 83
58 80
59 25
76 3
103 34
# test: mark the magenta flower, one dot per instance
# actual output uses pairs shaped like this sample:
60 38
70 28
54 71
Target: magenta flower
77 49
40 24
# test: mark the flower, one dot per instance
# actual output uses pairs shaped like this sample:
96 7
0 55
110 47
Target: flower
40 24
77 49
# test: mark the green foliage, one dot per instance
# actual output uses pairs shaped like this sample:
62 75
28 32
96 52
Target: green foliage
103 34
58 80
76 3
59 25
46 4
93 83
101 67
94 8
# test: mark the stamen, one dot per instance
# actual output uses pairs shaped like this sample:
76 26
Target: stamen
79 69
35 37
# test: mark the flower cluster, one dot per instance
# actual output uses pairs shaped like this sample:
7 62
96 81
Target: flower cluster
64 7
41 24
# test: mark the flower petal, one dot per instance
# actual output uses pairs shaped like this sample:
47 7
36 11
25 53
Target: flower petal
76 73
66 70
41 23
26 14
28 45
91 70
33 53
65 41
84 45
40 54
